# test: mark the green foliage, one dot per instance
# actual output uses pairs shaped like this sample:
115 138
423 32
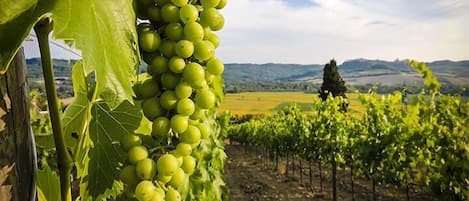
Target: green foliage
332 82
48 185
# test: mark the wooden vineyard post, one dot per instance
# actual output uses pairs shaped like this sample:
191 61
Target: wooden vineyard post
17 145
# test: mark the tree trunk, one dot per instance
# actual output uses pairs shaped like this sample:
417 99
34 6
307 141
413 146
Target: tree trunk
301 172
310 176
334 179
320 174
17 145
352 182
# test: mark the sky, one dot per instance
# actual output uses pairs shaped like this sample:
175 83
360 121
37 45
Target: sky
315 31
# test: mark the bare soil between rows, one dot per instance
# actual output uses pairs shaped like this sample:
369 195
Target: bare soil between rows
250 178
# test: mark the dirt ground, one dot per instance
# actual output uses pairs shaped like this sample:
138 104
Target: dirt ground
249 178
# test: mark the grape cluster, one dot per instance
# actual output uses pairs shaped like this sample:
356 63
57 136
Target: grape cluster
177 42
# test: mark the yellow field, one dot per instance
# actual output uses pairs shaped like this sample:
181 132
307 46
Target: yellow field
269 102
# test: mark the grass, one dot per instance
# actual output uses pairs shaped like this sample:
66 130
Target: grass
270 102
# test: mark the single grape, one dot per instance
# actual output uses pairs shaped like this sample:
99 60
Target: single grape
184 149
221 4
219 25
178 157
188 165
180 3
174 31
170 13
184 48
204 130
177 64
209 77
172 195
168 100
145 190
203 50
183 90
169 80
146 169
205 99
160 127
179 123
168 48
154 13
185 107
167 165
209 3
191 135
193 31
215 66
193 73
130 140
152 109
158 66
199 113
178 179
163 179
128 175
149 41
188 13
213 38
137 154
149 88
210 17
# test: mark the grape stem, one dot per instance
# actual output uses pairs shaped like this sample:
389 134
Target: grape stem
64 160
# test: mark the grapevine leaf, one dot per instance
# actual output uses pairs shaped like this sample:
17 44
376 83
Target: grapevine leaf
48 184
105 155
16 23
105 33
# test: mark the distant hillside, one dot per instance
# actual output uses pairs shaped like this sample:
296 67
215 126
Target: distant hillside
354 72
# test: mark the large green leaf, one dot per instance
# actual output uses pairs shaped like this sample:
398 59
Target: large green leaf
19 23
48 185
105 154
104 31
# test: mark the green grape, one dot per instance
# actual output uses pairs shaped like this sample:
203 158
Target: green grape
184 149
178 157
168 48
203 50
149 56
198 113
170 13
218 26
145 190
154 13
177 64
209 3
174 31
149 88
183 90
149 41
188 13
179 123
152 109
180 3
209 78
191 136
204 130
157 196
189 165
185 107
168 100
159 65
205 99
160 127
128 175
213 38
172 195
210 17
193 31
193 73
167 165
184 48
169 80
163 179
146 169
221 4
137 154
178 179
215 66
144 27
130 140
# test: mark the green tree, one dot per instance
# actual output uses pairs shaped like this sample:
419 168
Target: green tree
332 82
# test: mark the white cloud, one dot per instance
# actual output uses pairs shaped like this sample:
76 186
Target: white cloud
262 31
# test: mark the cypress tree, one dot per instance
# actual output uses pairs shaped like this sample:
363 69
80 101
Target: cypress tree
332 82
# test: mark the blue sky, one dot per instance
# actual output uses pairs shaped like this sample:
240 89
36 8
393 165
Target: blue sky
314 31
